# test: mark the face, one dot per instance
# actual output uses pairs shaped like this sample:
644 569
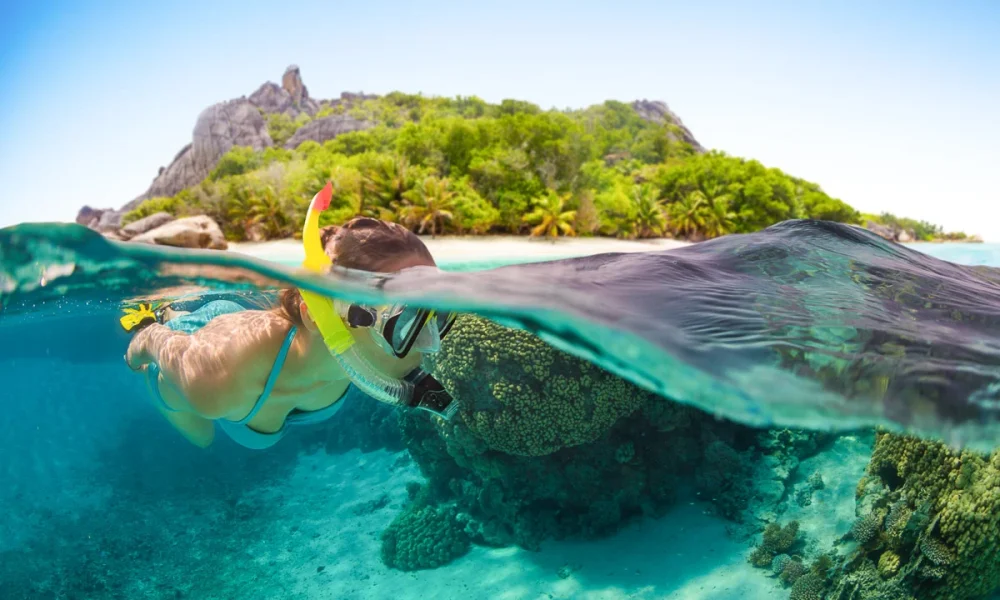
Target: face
365 343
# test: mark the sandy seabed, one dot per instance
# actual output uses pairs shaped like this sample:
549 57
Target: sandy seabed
688 554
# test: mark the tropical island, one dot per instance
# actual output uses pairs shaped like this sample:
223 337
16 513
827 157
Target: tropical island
468 167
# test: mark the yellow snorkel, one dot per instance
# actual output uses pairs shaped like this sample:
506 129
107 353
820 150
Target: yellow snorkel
335 334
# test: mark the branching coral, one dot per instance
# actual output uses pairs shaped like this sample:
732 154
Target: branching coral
808 587
866 527
776 540
521 396
778 563
943 511
423 538
792 571
936 551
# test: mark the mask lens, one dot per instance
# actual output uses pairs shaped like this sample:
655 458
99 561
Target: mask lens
444 323
407 327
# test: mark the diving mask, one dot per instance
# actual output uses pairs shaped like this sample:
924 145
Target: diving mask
400 329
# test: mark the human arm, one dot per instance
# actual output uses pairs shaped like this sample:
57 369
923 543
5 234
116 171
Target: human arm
198 367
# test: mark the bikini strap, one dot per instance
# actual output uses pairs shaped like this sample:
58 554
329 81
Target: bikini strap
279 362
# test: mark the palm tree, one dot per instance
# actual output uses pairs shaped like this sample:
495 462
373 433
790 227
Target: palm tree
238 207
716 216
549 216
428 205
687 216
650 219
266 213
389 180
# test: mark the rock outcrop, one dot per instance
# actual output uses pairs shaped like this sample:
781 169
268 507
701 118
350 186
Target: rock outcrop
893 234
189 232
658 112
291 97
145 224
219 128
325 129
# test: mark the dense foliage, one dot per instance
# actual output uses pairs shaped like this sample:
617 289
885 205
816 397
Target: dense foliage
921 230
462 165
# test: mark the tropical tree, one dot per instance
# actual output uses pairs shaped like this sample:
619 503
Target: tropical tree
267 216
650 218
716 217
550 216
687 215
428 205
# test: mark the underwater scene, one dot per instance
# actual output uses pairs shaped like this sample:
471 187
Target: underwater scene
807 412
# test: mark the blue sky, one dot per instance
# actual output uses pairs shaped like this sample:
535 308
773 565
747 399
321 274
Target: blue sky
887 105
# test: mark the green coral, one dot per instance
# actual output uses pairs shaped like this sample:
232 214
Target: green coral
523 397
792 571
423 538
866 527
936 551
776 540
951 500
779 562
888 564
808 587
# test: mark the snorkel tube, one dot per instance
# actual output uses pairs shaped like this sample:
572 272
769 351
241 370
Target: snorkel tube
336 336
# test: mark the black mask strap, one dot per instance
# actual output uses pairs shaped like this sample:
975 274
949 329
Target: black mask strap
430 395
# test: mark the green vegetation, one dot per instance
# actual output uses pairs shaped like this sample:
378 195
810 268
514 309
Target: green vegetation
441 165
921 231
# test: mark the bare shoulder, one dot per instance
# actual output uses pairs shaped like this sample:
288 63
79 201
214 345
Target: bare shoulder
246 328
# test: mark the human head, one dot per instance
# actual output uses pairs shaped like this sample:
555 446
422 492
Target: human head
365 244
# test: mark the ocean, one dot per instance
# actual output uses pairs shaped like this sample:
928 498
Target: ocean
806 412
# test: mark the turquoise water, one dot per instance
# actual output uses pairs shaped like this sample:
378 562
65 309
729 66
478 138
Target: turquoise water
590 488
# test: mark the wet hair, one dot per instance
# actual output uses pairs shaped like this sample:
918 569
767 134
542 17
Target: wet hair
364 244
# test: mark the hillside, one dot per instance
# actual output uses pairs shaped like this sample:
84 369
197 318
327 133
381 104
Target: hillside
462 165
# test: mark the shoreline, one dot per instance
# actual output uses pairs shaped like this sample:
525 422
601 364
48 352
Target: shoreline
480 248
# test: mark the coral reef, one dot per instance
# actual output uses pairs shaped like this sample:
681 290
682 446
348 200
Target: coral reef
776 540
792 571
548 446
779 562
808 587
888 564
423 537
866 528
931 523
803 495
521 396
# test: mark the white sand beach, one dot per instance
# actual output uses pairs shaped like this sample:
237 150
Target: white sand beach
481 248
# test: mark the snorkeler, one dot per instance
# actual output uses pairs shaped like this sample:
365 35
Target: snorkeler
257 372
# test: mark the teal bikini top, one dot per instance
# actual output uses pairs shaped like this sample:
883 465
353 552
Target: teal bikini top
240 431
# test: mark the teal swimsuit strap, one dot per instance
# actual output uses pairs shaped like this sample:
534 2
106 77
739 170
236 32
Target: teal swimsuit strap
279 362
153 372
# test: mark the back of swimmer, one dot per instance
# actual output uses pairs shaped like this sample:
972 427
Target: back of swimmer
253 373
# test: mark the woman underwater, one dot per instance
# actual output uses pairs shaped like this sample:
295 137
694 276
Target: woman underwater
257 372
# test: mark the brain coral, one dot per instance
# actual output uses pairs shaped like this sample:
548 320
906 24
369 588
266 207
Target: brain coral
423 538
961 492
521 396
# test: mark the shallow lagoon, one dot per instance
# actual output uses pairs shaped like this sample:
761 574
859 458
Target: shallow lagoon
103 500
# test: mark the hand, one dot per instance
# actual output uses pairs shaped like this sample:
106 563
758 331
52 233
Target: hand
137 357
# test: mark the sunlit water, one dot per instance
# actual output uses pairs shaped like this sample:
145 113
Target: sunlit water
821 328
